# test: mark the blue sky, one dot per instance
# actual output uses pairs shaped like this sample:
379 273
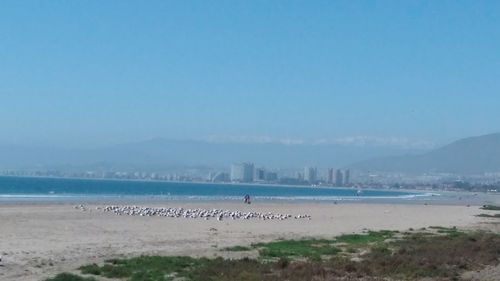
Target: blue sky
99 72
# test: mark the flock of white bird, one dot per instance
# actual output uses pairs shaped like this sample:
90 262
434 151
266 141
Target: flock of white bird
186 213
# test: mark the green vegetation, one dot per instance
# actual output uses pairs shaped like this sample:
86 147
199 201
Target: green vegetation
416 256
237 249
446 255
489 216
70 277
438 252
491 207
157 268
450 231
307 248
145 267
364 239
316 249
220 269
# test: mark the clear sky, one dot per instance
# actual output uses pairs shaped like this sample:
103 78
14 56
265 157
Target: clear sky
98 72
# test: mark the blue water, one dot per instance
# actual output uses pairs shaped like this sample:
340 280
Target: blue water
12 188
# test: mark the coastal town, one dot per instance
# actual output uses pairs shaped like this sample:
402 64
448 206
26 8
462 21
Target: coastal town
249 173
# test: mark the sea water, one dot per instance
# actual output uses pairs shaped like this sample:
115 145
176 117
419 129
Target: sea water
59 189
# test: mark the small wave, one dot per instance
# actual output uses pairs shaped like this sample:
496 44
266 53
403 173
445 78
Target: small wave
53 196
34 196
212 198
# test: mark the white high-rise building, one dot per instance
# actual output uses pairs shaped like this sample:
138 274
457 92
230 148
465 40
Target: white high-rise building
260 174
242 172
331 176
310 174
339 178
347 177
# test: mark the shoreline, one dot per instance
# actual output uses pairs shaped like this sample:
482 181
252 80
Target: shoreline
159 191
448 198
253 184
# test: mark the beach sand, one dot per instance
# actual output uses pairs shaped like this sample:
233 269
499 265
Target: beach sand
40 240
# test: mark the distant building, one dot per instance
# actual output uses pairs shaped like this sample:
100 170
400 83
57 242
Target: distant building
310 174
220 177
331 176
300 176
260 174
271 176
347 177
242 172
339 178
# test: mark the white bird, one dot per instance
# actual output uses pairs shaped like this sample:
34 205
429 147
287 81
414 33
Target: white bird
219 214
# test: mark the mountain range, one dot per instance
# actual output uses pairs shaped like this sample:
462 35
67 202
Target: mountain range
164 154
472 155
466 156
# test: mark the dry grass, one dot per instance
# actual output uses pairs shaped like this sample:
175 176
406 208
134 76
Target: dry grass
440 254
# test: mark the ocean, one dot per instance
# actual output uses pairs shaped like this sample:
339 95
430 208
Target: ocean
62 189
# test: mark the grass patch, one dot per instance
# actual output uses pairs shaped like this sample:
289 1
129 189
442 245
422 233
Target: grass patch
364 239
220 269
437 256
93 269
489 216
156 268
70 277
417 256
307 248
237 249
491 207
351 250
449 231
439 227
442 254
315 249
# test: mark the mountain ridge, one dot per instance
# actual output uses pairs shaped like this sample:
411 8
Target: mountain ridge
472 155
162 153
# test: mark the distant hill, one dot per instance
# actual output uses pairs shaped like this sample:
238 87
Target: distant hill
466 156
164 154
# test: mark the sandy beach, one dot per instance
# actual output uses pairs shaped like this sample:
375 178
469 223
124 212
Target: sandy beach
39 240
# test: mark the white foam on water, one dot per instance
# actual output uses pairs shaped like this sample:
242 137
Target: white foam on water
62 197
